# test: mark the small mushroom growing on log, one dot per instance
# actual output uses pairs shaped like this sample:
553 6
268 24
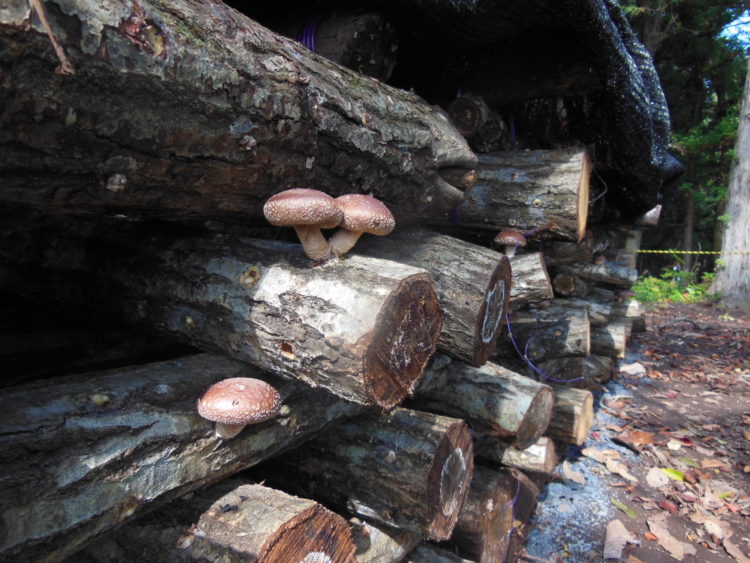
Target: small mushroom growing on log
307 211
510 239
236 402
362 214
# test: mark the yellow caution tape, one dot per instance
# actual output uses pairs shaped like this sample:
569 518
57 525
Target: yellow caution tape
694 251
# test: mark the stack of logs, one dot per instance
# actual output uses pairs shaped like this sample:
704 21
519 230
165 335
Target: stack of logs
410 428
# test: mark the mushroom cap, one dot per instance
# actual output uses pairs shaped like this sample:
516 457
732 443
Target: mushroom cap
366 214
239 400
510 236
302 206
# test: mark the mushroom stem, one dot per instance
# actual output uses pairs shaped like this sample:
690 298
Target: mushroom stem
343 241
510 250
313 242
226 431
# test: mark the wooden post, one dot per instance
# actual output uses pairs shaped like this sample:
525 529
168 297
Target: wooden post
406 469
472 283
256 523
529 190
530 279
572 416
192 111
362 328
492 399
58 439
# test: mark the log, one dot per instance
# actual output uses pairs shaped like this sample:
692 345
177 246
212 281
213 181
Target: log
377 543
361 328
569 285
427 552
558 252
406 469
486 519
192 111
529 190
600 311
573 415
530 280
256 523
539 457
492 399
472 283
527 495
543 335
140 426
583 373
610 340
609 273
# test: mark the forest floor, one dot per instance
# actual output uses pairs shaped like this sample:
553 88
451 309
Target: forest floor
668 455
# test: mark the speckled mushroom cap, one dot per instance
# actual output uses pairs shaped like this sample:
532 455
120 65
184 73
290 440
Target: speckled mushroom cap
510 236
365 213
302 206
239 400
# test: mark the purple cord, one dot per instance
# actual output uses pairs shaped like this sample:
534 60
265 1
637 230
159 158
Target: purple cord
454 218
525 358
306 35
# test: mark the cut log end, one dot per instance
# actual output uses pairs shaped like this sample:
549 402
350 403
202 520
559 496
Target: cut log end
536 419
582 203
449 480
410 325
489 321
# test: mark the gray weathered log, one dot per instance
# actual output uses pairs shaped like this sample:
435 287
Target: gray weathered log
542 335
406 468
583 373
378 543
611 339
472 283
427 552
86 453
558 252
190 110
539 457
530 279
530 190
609 273
566 284
572 416
494 400
362 328
601 310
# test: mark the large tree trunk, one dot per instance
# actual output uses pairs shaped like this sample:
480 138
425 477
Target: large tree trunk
191 110
733 277
530 190
84 454
362 328
472 283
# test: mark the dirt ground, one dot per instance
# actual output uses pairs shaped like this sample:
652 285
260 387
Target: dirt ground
669 454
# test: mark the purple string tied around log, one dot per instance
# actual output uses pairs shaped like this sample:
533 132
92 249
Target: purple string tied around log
306 35
527 361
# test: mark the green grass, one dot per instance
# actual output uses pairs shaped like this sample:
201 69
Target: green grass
674 287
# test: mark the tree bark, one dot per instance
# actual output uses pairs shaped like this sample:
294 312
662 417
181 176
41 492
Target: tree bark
572 416
256 523
732 279
609 273
472 283
192 111
558 252
486 519
427 552
405 468
492 399
610 340
530 190
361 328
539 457
584 373
377 543
544 336
530 280
569 285
139 427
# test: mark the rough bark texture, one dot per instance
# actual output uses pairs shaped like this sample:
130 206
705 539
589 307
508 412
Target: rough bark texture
87 453
558 252
193 111
542 335
584 373
256 523
611 339
486 519
362 328
569 285
573 415
472 283
406 469
377 543
529 190
430 553
539 457
491 398
609 273
530 279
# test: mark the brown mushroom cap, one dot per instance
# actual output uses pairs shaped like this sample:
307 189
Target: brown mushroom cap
239 400
510 236
302 206
366 214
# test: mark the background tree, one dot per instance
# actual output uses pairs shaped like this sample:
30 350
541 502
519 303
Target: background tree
702 68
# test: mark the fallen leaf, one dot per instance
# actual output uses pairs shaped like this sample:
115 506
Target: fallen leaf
717 528
746 434
572 475
689 462
616 538
650 536
637 438
622 506
673 474
600 455
674 445
621 469
669 506
656 478
614 427
735 551
675 547
712 464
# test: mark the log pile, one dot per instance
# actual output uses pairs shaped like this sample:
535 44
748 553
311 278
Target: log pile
428 380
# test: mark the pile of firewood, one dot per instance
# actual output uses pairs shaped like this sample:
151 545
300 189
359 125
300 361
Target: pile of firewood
428 378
